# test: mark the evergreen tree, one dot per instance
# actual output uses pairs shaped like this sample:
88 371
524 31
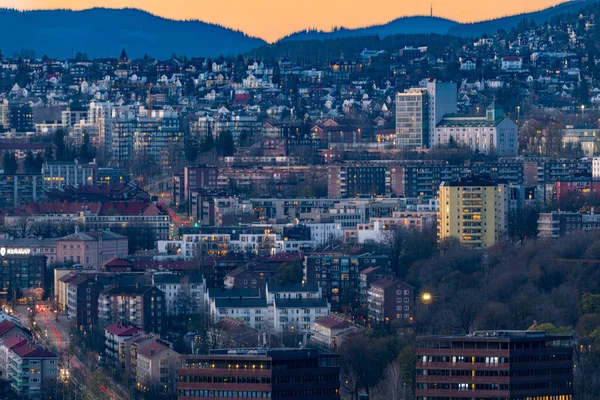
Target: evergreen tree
225 144
29 163
59 142
10 163
39 162
209 140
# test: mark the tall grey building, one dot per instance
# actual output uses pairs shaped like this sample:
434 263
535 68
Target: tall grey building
419 110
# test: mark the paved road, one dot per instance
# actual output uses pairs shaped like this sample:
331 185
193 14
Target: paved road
56 334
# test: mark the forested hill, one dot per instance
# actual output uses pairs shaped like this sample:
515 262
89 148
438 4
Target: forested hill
318 53
437 25
101 32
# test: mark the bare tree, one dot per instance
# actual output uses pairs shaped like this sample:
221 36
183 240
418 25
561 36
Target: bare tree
392 386
20 227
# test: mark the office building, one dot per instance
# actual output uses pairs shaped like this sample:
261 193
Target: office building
474 211
495 365
260 373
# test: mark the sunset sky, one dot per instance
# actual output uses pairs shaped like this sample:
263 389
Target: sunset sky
272 19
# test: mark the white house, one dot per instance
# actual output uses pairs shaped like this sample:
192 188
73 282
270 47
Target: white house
512 63
468 65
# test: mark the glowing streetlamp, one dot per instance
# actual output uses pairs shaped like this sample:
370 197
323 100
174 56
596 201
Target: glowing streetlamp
426 297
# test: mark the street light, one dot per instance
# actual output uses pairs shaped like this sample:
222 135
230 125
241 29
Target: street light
426 297
582 113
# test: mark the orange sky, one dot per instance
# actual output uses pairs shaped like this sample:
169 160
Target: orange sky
272 19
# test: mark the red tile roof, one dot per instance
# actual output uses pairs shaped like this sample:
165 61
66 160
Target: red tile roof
6 326
151 349
384 283
15 341
119 329
28 350
332 322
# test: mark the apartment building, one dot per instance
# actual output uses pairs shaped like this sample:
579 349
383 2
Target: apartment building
338 275
59 174
474 211
143 306
389 300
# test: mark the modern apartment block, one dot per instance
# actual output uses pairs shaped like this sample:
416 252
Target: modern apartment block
260 373
495 365
59 174
357 180
474 210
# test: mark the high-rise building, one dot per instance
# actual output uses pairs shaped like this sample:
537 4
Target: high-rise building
494 365
261 374
419 110
412 119
474 210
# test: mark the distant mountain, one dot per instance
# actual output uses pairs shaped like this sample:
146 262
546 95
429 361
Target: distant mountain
101 32
423 25
506 23
405 25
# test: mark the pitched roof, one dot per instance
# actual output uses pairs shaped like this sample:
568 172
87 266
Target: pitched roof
332 322
78 236
28 350
119 329
118 263
151 349
384 283
6 326
15 341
